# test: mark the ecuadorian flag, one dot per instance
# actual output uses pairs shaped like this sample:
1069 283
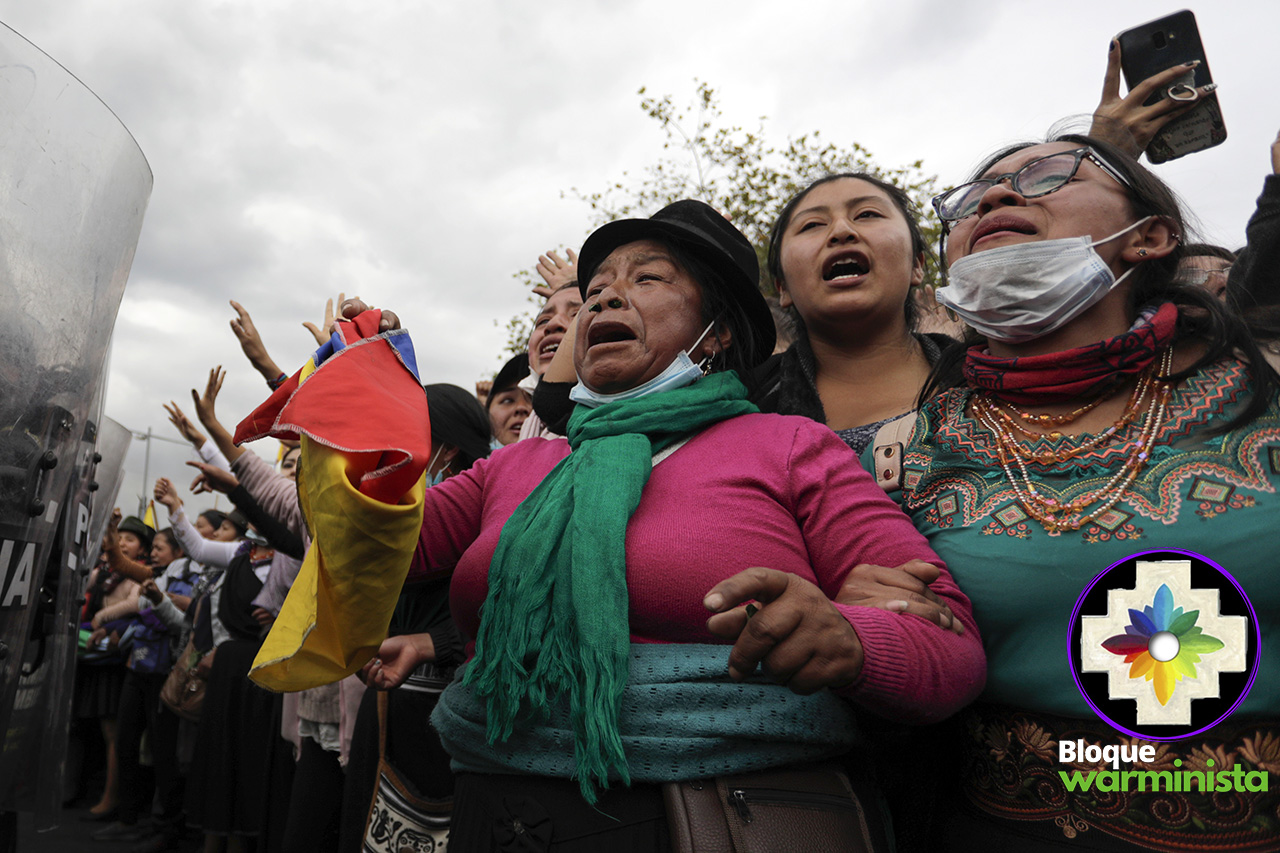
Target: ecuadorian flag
359 410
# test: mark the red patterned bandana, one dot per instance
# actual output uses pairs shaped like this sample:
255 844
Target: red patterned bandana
1062 376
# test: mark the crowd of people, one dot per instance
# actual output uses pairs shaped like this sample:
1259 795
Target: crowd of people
660 550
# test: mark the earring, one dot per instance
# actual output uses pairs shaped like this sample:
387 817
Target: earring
707 363
1142 253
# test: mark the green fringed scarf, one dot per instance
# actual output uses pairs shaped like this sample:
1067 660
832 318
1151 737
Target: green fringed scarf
555 619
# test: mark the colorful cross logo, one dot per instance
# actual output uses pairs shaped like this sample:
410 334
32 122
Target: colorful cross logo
1163 643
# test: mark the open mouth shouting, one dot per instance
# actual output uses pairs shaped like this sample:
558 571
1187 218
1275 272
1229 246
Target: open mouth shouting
845 268
609 332
547 349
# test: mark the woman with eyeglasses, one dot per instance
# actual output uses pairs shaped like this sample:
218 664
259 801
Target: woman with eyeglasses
1100 410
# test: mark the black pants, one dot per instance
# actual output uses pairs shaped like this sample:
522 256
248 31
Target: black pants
141 710
315 807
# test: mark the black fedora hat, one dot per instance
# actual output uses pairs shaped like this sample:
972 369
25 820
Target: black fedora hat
699 229
516 368
136 526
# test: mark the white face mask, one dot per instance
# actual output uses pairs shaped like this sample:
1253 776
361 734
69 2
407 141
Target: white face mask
1022 292
681 372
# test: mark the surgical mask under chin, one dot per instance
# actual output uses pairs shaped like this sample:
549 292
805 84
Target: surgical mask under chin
681 372
1022 292
439 477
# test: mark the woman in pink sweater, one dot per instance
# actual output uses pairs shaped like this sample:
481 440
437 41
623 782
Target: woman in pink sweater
587 577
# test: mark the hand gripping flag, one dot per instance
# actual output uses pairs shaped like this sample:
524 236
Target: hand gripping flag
360 413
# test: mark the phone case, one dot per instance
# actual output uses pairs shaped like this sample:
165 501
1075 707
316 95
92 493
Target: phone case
1160 44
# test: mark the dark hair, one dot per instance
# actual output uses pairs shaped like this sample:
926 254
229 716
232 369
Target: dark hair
458 420
239 522
900 199
214 517
719 305
1208 250
1201 316
168 535
516 369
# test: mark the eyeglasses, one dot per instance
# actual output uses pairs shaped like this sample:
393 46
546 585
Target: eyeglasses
1037 178
1200 277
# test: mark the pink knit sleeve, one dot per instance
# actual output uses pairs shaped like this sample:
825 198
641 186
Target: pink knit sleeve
451 516
914 671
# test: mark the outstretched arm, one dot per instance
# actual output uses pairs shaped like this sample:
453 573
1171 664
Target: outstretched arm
119 562
251 343
1255 276
204 404
193 544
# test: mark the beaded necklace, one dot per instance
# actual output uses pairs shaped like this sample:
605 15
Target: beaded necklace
1056 516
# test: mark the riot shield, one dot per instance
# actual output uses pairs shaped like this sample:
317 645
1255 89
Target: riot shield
42 705
73 188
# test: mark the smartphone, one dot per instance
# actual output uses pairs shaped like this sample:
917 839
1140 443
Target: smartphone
1161 44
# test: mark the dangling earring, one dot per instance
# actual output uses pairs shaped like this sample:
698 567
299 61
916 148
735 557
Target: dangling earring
707 363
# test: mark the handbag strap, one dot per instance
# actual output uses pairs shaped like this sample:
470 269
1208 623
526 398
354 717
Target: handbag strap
383 702
890 442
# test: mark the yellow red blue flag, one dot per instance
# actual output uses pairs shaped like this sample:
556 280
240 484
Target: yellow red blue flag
360 412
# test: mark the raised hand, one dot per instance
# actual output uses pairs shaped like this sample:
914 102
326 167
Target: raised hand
167 494
355 306
556 271
185 427
1125 122
212 479
322 332
205 403
251 342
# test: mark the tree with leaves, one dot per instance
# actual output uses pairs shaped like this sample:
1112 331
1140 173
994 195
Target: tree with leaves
738 172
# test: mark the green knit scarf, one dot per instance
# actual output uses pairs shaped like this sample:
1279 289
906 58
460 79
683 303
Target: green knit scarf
555 620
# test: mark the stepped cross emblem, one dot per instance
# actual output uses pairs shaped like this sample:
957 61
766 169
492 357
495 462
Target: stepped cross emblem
1163 643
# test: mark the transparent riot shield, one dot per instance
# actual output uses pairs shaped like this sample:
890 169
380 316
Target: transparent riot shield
47 678
73 188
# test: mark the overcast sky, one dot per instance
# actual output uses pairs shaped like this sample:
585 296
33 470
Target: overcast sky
416 153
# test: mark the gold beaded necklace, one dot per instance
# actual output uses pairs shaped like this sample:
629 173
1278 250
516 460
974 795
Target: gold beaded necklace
1056 516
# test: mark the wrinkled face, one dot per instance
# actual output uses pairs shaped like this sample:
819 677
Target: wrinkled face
1092 203
507 413
650 310
226 532
130 544
204 528
1213 270
847 252
162 553
289 462
551 324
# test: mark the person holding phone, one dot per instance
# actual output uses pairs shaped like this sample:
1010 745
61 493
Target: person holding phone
1046 458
